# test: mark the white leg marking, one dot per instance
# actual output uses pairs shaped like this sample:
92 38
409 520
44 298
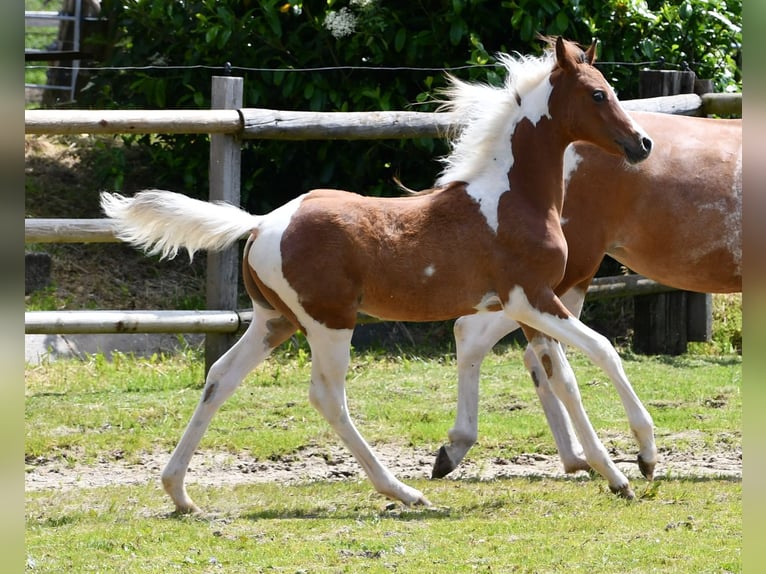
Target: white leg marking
475 335
572 332
224 377
329 363
569 448
564 385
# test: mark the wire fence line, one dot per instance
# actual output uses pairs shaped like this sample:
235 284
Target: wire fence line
228 68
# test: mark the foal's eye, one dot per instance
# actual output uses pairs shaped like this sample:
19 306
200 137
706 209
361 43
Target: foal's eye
599 96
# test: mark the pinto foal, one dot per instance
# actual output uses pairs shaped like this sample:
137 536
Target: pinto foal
487 238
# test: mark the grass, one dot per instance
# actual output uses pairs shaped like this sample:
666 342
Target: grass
97 410
511 525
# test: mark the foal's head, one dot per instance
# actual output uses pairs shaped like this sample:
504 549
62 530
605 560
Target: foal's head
588 107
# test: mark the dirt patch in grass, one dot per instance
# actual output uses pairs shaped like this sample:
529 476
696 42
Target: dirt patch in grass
336 463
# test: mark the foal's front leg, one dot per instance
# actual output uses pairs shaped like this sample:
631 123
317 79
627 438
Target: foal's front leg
475 335
570 450
569 330
329 364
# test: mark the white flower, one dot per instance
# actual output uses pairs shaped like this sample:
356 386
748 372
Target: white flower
362 3
341 23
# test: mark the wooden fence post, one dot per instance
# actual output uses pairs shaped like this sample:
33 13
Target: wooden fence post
224 176
665 322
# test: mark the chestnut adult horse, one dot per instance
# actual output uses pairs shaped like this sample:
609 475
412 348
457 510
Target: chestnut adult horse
487 238
676 218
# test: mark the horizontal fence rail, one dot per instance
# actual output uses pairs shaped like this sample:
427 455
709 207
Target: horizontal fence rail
211 321
100 322
256 123
69 231
132 121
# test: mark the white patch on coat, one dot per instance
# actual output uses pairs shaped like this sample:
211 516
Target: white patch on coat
481 154
429 271
572 161
489 300
265 255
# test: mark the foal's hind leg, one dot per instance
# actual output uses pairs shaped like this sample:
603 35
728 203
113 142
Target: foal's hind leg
329 363
267 330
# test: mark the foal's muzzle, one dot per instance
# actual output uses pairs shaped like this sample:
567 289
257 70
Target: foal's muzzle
638 151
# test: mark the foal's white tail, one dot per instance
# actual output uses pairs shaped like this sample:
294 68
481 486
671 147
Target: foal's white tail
162 222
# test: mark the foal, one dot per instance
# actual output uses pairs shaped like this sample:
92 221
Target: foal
676 218
487 238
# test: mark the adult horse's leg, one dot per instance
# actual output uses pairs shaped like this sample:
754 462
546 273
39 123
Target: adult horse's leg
267 330
475 335
555 322
329 364
569 448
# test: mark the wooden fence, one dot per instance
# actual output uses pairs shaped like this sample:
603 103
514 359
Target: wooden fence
228 123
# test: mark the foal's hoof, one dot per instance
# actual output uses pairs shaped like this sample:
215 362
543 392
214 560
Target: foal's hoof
191 510
570 467
443 464
646 468
624 492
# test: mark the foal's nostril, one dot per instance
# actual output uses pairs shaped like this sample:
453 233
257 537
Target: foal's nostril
647 144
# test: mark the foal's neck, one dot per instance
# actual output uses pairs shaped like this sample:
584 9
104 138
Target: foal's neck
538 166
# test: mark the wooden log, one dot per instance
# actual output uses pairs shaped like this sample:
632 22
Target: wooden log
132 121
660 323
224 177
680 105
653 83
101 322
254 123
624 286
699 316
69 231
285 125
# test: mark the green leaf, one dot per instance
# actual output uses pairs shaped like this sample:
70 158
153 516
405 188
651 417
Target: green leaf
224 37
561 23
456 31
400 39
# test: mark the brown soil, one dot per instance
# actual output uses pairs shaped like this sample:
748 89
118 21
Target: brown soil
336 463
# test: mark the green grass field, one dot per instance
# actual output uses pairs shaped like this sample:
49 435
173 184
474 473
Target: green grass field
106 415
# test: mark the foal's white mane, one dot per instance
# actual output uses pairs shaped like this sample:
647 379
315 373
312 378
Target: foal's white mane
486 112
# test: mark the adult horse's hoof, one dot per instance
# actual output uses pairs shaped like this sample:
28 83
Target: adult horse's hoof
624 492
646 468
443 464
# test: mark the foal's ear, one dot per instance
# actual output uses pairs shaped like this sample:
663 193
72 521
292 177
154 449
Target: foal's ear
590 54
568 55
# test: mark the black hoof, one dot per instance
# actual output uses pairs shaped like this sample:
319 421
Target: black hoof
625 492
442 465
646 468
